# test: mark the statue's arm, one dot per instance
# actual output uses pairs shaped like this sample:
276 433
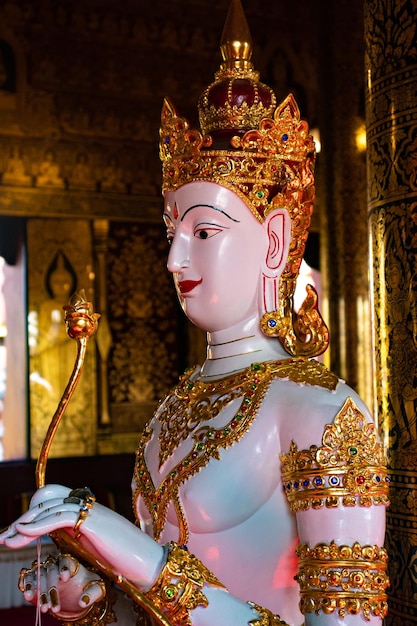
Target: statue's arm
338 492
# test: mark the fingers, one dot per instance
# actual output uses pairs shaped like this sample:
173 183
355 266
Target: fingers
52 582
68 567
93 591
15 540
9 536
49 492
41 579
27 584
61 585
47 523
52 507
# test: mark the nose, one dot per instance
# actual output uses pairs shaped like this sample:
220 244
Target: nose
178 257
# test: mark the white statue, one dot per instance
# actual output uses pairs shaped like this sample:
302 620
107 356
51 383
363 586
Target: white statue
261 463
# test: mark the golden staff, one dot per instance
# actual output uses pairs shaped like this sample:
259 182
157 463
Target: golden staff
82 323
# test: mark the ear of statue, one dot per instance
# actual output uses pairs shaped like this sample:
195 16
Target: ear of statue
278 226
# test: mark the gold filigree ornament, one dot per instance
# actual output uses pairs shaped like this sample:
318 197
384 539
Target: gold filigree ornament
266 617
349 468
184 414
178 589
349 580
262 152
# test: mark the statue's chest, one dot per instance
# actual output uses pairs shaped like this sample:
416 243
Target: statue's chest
213 443
197 424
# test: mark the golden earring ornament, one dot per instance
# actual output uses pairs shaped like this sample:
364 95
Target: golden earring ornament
301 334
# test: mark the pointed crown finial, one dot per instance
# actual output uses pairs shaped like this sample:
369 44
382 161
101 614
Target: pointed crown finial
236 41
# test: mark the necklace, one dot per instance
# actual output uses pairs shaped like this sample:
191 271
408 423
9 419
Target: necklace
185 414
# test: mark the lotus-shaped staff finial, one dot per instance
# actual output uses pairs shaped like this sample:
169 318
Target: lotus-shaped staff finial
80 319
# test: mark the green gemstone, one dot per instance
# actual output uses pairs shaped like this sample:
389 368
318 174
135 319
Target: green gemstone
200 446
170 593
353 451
256 366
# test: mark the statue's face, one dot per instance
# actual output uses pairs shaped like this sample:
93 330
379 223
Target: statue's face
217 252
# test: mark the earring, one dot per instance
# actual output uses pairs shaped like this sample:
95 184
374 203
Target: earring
301 334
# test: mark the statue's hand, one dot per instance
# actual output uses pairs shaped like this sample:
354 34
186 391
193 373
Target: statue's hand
43 498
104 534
63 586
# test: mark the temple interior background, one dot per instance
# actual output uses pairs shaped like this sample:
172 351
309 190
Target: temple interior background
81 91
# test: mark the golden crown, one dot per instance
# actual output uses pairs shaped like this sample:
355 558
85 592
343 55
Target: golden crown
246 143
275 159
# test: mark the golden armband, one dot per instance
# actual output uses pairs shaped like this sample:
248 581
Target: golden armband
343 579
349 468
178 589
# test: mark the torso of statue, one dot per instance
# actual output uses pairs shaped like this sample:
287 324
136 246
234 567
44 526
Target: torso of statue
208 472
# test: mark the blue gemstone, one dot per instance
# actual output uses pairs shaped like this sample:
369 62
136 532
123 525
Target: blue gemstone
272 323
167 139
334 480
284 137
378 479
296 485
306 483
318 481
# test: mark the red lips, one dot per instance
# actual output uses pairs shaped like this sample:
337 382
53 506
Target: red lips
185 286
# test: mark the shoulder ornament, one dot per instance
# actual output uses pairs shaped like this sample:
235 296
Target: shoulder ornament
349 468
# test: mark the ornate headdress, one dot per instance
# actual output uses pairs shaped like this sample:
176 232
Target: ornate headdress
262 152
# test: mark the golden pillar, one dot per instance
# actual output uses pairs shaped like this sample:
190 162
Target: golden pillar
341 187
391 106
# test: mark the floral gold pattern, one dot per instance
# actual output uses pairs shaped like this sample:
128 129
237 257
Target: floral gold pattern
270 155
267 618
390 64
349 467
346 579
178 589
189 406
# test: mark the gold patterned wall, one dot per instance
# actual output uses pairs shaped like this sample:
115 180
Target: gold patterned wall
391 63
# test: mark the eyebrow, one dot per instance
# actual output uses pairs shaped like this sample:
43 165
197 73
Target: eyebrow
209 206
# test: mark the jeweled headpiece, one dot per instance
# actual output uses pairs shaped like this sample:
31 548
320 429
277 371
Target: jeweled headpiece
262 152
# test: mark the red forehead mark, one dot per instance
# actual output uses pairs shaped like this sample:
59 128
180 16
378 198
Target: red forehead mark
175 211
